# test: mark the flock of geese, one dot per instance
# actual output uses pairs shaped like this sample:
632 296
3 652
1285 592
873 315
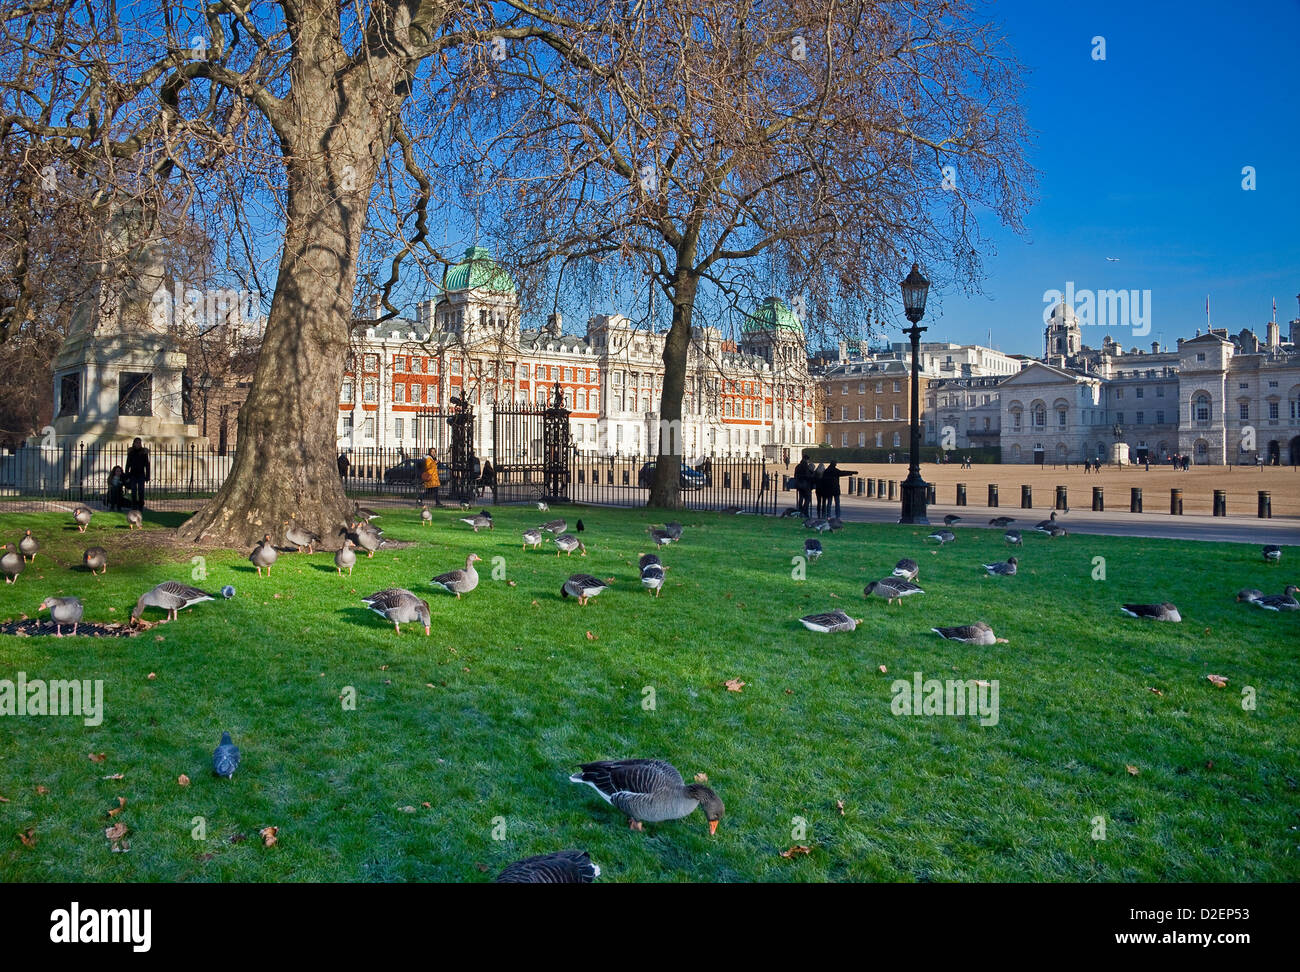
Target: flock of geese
645 790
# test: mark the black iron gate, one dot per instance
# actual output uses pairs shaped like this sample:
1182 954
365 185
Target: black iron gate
532 448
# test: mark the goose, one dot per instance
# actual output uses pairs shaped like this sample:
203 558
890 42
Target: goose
788 512
426 516
263 555
660 538
568 543
555 526
673 529
27 546
1044 525
829 622
1013 537
63 610
134 519
1002 521
345 557
1056 532
1279 602
369 538
978 633
562 867
1272 552
950 519
649 791
459 582
647 560
891 589
225 758
907 568
11 564
1249 594
96 558
943 536
171 596
542 507
300 537
400 606
365 513
812 549
583 587
1156 612
652 579
818 523
532 538
834 523
82 516
1007 569
478 521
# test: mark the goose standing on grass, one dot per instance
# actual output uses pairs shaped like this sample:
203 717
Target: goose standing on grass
170 596
1156 612
1014 538
11 564
459 582
300 537
263 555
542 507
27 546
225 759
978 633
1043 526
96 559
660 538
812 549
346 556
647 560
1279 602
369 538
568 543
582 586
400 606
943 536
532 538
562 867
555 527
1002 521
891 589
649 791
365 513
673 529
81 516
829 622
134 520
1272 552
907 568
652 579
426 516
950 519
478 521
1006 569
834 523
63 610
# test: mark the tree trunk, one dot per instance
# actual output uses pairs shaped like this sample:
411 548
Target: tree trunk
666 490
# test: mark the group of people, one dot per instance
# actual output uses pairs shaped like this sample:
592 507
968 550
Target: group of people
824 481
132 478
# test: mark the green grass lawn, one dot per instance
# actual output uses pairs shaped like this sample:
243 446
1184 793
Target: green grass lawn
470 734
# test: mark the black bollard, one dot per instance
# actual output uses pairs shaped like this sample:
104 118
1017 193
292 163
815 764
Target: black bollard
993 494
1265 505
1098 500
1135 499
961 494
1220 502
1175 502
1026 497
1062 498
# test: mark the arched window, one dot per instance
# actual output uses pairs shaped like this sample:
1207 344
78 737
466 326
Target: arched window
1201 408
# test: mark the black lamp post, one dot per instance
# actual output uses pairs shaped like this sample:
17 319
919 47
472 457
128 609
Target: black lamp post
915 290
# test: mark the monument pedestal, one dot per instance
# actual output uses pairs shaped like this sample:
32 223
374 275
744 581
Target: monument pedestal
1119 454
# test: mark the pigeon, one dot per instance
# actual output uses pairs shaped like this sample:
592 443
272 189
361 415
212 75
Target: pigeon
583 587
943 536
891 589
96 559
11 564
1002 521
907 568
978 633
1156 612
63 610
652 578
228 592
950 519
829 622
1272 552
562 867
1007 569
225 759
27 546
812 549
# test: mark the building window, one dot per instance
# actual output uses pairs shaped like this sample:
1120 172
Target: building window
1244 409
1119 394
1139 393
1201 409
370 428
1160 391
1119 417
1160 417
844 388
347 423
1272 384
898 440
397 429
1201 357
844 439
135 394
1140 418
898 411
844 413
70 394
880 440
345 394
880 387
862 412
368 390
862 439
399 395
897 386
1060 418
1242 385
372 362
1272 411
862 388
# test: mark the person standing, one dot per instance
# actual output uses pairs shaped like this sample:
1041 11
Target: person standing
344 465
803 481
831 477
137 472
429 476
819 487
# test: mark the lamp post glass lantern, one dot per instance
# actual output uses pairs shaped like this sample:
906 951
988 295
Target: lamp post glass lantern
915 290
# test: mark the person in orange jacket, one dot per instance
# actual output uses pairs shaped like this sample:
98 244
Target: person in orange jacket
429 476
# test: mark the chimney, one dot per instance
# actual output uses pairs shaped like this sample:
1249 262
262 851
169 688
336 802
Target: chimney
1274 336
376 302
424 312
1155 347
1180 344
844 351
862 349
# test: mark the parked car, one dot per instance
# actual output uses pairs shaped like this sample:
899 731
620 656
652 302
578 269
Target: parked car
691 478
409 472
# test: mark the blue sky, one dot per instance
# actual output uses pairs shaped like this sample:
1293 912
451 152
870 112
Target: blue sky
1140 158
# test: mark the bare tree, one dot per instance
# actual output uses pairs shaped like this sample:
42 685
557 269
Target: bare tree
736 149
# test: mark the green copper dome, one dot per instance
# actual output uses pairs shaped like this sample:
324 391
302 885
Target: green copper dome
771 315
478 271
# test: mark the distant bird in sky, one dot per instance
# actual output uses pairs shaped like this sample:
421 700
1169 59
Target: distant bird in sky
1112 259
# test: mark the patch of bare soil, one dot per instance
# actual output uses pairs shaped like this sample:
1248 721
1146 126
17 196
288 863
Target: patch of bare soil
36 627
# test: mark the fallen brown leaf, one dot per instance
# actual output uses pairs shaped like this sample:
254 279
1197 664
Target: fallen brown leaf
839 805
269 835
883 670
1132 770
383 668
511 583
151 676
427 805
96 757
28 837
701 777
796 849
1155 691
590 636
1217 680
483 868
4 799
42 789
114 776
121 805
734 684
116 832
182 780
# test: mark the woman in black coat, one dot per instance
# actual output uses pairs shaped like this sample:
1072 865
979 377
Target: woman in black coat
803 474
